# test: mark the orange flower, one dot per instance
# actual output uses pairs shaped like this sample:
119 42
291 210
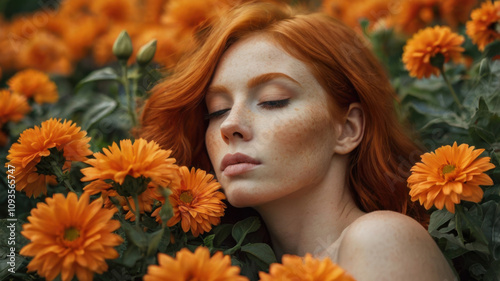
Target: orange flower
415 14
34 144
189 14
295 268
80 33
484 26
136 168
426 45
34 84
448 175
455 12
70 236
196 202
45 52
116 10
14 107
140 159
194 266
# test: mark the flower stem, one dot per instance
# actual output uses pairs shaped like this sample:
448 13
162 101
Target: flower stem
130 94
61 177
455 97
137 212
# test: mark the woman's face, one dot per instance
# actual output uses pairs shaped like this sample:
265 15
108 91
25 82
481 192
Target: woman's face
270 132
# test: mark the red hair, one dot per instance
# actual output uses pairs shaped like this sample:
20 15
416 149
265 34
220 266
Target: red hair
342 63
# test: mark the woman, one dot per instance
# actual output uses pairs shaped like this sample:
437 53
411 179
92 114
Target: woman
295 116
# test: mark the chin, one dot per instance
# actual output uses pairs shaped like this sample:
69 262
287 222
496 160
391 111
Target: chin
241 199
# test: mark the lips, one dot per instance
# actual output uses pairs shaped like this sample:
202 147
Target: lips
233 164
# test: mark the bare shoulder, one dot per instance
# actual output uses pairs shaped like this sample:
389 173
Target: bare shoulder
386 245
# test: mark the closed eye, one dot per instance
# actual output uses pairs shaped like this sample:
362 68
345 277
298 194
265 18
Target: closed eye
274 103
216 114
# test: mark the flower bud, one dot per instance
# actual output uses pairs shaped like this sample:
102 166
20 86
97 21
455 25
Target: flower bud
122 48
146 53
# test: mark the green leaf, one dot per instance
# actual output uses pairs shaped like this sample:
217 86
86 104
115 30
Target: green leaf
493 49
154 241
131 255
242 228
262 252
98 111
221 232
209 241
491 226
135 235
104 74
439 218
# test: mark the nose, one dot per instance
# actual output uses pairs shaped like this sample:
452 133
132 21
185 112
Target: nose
236 126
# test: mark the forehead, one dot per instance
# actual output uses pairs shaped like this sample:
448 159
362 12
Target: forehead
258 54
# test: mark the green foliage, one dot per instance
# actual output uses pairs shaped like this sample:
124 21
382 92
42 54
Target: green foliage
470 238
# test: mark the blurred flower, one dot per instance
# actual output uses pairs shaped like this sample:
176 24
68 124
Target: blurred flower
448 175
14 107
190 14
194 266
4 139
412 15
142 160
295 268
429 44
80 33
70 236
46 52
34 144
455 12
415 14
152 10
115 10
484 27
351 12
34 84
196 202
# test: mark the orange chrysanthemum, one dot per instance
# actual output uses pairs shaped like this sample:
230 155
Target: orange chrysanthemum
34 84
194 266
34 143
196 202
14 107
448 175
295 268
428 44
140 159
46 52
484 26
70 236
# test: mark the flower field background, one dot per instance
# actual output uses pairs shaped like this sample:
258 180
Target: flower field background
83 197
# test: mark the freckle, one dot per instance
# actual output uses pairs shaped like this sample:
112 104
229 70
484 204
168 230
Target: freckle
296 109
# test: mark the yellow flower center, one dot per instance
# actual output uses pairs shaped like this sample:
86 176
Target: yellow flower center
71 234
448 169
186 197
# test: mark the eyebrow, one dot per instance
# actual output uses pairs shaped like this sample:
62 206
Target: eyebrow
254 82
264 78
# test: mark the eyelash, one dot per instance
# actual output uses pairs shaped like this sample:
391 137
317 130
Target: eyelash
267 105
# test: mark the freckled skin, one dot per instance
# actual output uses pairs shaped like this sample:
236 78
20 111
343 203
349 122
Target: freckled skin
294 143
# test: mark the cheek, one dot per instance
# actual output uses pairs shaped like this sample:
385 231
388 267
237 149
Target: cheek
308 132
213 142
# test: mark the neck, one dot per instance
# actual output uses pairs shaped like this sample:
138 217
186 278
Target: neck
310 220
